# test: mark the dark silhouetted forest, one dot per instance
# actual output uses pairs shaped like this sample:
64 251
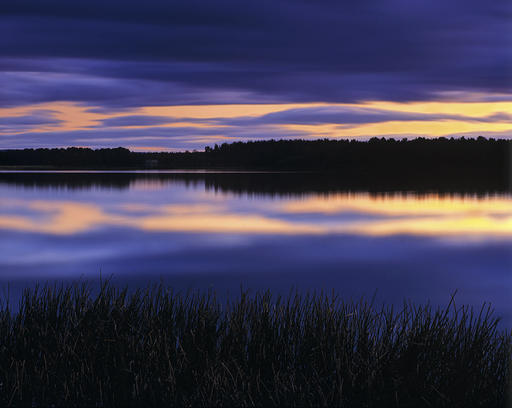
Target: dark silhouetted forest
417 161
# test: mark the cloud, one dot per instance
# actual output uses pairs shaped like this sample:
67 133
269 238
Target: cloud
179 137
121 54
500 117
144 131
137 120
35 119
349 115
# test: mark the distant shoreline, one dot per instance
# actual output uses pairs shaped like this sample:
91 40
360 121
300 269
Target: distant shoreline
323 154
470 164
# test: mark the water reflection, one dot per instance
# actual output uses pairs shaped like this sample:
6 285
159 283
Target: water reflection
342 213
259 230
248 183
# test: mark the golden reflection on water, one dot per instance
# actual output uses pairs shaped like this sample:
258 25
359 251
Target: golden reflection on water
406 204
356 213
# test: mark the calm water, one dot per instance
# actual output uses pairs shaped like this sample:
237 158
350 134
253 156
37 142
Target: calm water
274 231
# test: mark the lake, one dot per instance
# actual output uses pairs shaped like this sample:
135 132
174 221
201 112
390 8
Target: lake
279 231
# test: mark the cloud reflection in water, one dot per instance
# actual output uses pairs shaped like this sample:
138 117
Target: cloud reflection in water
194 235
391 214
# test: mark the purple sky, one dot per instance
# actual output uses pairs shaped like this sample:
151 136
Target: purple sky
98 73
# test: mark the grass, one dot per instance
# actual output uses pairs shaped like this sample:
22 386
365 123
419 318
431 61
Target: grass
66 346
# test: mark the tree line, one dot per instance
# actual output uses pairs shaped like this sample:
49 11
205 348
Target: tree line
421 157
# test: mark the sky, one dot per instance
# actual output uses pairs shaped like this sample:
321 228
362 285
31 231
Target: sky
179 75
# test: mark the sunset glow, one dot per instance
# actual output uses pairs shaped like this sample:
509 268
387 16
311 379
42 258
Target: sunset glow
202 125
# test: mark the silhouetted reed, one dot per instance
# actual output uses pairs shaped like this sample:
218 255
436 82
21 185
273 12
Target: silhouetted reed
68 346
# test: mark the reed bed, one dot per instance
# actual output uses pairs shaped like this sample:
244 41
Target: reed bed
71 346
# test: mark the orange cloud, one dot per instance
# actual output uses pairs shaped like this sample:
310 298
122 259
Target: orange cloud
75 117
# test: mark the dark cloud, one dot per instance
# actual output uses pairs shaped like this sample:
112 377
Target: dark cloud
120 54
35 119
347 115
107 93
500 117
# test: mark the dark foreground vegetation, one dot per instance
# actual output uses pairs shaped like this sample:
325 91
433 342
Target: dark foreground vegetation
417 159
67 347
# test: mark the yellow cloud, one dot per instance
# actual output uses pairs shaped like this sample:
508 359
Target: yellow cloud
474 109
77 117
